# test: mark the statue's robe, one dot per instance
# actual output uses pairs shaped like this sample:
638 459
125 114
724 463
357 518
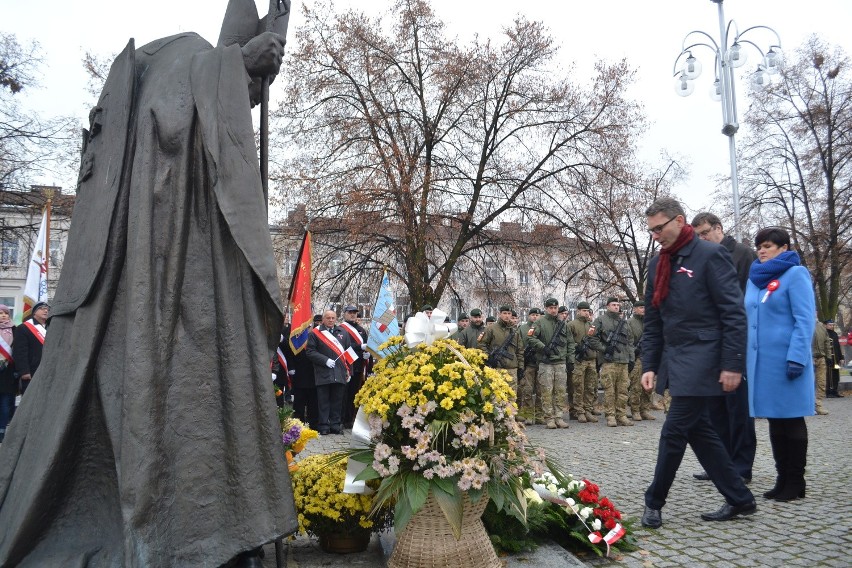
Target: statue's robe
149 435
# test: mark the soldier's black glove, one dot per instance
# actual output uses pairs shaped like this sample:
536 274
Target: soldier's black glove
570 368
630 366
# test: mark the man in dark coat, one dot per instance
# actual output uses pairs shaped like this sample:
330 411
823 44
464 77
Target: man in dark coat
28 344
329 349
729 413
358 338
837 361
694 341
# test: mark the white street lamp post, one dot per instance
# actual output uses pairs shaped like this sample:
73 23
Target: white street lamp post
728 56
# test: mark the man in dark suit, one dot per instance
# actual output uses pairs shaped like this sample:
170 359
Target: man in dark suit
29 343
729 413
330 350
694 340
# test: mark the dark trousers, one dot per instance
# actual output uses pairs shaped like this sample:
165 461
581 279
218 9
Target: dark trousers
7 410
729 416
330 407
305 405
688 422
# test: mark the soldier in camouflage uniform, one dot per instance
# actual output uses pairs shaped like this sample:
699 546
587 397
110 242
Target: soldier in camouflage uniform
617 350
639 399
462 322
822 351
584 379
470 337
529 395
555 347
504 335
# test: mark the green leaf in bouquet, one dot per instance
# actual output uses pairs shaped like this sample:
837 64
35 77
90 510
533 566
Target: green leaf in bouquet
447 485
417 491
402 513
452 506
367 474
362 456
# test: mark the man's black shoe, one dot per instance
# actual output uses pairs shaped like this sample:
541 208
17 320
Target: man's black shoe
728 512
702 476
652 518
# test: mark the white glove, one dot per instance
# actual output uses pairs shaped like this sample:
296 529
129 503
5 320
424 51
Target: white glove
363 347
274 376
291 373
330 364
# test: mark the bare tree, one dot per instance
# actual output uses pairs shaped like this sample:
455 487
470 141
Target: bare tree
30 145
419 144
797 164
606 218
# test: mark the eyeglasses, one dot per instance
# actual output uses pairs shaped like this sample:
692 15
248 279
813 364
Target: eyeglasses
659 228
707 231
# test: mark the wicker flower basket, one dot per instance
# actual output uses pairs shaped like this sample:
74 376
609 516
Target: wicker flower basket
428 540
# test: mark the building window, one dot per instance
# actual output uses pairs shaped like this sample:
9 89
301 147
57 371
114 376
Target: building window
55 253
9 254
496 276
524 278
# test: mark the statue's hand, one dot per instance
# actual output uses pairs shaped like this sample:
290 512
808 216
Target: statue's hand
262 55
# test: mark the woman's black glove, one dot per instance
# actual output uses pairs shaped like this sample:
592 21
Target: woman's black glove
794 370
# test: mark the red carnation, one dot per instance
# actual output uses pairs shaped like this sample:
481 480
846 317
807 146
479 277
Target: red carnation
609 524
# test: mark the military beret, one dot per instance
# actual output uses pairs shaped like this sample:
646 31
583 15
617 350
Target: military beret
514 314
826 322
638 304
426 307
584 306
612 299
563 309
462 316
476 312
551 302
534 311
490 319
505 308
350 309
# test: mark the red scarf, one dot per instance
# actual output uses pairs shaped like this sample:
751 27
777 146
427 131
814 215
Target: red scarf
664 266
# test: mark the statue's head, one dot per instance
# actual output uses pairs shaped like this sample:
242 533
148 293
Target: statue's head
241 23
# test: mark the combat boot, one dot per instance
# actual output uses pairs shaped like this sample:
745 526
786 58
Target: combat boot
623 421
636 415
551 425
581 418
610 421
646 416
561 423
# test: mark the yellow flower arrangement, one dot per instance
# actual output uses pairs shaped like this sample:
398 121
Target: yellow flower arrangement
442 422
322 506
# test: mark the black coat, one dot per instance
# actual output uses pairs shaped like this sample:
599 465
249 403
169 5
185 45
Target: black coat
26 350
8 381
358 365
700 328
319 353
742 256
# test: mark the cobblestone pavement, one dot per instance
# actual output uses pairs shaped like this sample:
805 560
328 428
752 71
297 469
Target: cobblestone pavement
816 531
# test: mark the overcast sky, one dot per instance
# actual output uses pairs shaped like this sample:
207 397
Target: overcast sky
649 34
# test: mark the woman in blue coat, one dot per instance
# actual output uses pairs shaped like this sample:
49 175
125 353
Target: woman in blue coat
781 316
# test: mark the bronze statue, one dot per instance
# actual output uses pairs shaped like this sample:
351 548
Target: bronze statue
149 434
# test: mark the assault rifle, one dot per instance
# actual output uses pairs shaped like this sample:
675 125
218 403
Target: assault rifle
495 358
582 350
614 338
556 340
